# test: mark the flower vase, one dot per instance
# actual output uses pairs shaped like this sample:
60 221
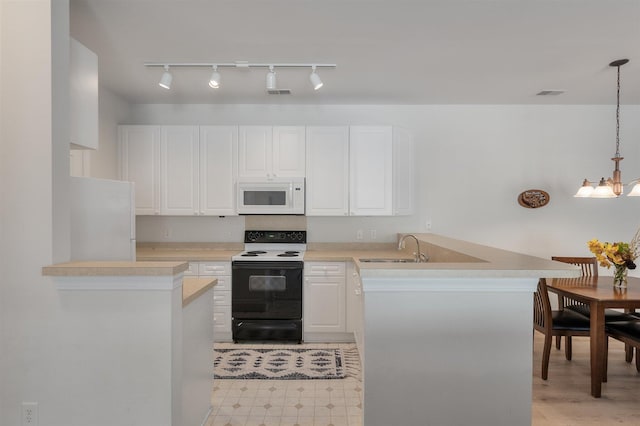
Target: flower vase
620 276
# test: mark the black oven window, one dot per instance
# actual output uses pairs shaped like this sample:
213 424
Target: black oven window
265 198
267 283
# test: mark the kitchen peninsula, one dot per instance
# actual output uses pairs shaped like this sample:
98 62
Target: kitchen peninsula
450 341
143 334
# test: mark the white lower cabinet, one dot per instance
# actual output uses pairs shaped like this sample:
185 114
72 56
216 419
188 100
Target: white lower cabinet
355 308
221 295
324 306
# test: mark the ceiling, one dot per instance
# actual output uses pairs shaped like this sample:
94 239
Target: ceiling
386 51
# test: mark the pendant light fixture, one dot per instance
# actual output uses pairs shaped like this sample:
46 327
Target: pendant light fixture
611 187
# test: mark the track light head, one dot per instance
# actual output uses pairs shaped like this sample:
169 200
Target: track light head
315 79
165 80
271 79
214 81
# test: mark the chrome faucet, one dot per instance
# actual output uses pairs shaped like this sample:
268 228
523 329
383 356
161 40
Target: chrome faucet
419 256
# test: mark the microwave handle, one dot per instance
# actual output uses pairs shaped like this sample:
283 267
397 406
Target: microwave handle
291 194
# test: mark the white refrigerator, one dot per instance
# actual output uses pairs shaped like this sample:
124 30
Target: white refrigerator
103 219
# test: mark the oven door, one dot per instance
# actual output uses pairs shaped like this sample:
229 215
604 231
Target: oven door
266 290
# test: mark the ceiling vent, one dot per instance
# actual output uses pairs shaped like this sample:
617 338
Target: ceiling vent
550 93
279 91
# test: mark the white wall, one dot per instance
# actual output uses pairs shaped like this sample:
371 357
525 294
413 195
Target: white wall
112 110
27 300
473 161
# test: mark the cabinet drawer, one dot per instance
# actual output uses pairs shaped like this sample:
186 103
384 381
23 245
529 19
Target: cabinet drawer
221 298
214 268
224 284
193 269
324 269
221 319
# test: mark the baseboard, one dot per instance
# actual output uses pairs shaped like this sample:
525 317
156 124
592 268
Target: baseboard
206 418
329 337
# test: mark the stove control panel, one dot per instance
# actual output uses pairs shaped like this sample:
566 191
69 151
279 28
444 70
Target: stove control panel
276 237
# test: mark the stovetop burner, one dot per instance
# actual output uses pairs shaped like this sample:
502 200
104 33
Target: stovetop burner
273 246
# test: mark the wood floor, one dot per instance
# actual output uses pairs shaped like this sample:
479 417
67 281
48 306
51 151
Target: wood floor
565 399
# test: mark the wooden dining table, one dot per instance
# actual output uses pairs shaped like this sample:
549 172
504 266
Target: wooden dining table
600 294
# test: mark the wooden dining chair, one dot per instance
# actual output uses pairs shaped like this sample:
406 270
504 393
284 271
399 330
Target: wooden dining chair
589 268
627 332
555 323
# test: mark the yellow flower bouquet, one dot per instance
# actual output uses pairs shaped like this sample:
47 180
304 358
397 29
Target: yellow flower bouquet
619 254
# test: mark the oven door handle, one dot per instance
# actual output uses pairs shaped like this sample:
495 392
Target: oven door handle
265 265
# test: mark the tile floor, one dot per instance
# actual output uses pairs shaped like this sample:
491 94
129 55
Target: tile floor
336 402
562 400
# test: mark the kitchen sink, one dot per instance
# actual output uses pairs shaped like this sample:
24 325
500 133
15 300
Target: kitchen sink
387 260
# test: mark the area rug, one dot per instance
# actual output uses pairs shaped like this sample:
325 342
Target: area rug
254 362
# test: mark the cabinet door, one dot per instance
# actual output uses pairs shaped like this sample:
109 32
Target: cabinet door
255 151
140 163
179 171
218 169
355 311
327 184
403 172
324 300
83 96
288 151
371 170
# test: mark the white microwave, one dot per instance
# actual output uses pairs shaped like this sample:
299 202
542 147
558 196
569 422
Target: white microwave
270 196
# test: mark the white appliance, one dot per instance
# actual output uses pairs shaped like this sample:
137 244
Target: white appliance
102 219
271 196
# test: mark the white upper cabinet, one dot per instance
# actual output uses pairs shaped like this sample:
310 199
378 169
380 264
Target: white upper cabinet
327 184
289 147
140 163
83 96
371 170
218 169
270 152
403 172
254 150
179 170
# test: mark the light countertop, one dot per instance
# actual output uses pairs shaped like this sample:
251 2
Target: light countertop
192 288
448 257
106 268
188 252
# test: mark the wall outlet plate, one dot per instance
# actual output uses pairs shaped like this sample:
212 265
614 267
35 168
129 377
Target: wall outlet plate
29 413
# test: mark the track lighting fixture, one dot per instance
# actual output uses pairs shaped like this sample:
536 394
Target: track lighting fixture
214 80
165 81
315 79
271 79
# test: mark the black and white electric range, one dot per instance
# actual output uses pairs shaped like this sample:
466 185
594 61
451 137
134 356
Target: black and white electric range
266 297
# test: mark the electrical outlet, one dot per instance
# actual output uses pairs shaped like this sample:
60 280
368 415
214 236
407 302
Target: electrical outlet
374 234
359 234
167 232
428 224
29 414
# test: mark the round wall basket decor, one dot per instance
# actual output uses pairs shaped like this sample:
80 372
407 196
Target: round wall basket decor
533 198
